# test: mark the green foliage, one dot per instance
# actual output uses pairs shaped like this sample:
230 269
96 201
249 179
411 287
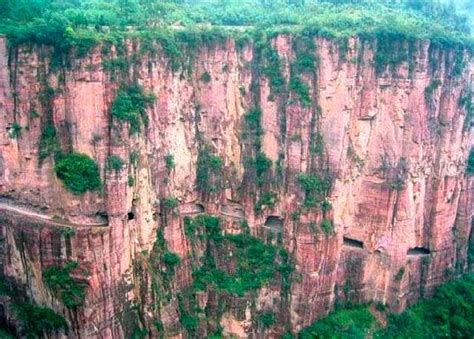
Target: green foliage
449 314
298 86
208 173
59 280
315 188
271 64
263 166
78 172
80 25
349 322
256 263
400 274
130 181
15 131
265 319
470 163
429 90
37 320
134 157
114 163
325 205
169 160
267 200
327 226
48 144
206 77
253 124
131 104
171 259
170 203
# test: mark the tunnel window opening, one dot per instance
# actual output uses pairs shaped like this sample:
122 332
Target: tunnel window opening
352 242
104 217
418 251
130 215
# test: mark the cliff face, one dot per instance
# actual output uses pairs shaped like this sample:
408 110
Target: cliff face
392 144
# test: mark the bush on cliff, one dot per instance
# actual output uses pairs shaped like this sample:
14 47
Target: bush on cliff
131 104
58 278
78 172
36 319
470 163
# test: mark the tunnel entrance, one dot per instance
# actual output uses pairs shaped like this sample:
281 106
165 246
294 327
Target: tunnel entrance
352 242
418 251
274 223
130 215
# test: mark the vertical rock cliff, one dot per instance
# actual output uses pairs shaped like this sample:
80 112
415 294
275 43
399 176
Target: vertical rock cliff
269 180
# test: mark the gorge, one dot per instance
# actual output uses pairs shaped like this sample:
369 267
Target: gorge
241 187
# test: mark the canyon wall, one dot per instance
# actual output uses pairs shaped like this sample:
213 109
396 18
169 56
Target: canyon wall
392 145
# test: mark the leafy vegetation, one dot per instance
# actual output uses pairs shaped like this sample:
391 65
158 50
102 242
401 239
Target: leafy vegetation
169 161
315 188
48 144
348 322
81 24
209 171
470 162
170 203
15 131
256 263
78 172
114 163
35 320
131 104
58 278
327 226
448 314
267 200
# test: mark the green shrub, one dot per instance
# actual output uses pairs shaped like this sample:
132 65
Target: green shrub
114 163
170 203
131 181
327 226
59 280
48 144
263 166
400 274
208 173
134 157
314 187
267 200
349 322
266 319
131 104
206 77
448 314
470 163
171 259
169 160
15 131
38 320
78 172
298 86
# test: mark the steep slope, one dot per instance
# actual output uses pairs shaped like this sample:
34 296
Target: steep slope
336 169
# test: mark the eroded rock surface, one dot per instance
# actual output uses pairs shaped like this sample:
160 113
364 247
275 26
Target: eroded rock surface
394 151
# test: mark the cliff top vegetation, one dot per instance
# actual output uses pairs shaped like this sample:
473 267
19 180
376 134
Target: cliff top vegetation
81 24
